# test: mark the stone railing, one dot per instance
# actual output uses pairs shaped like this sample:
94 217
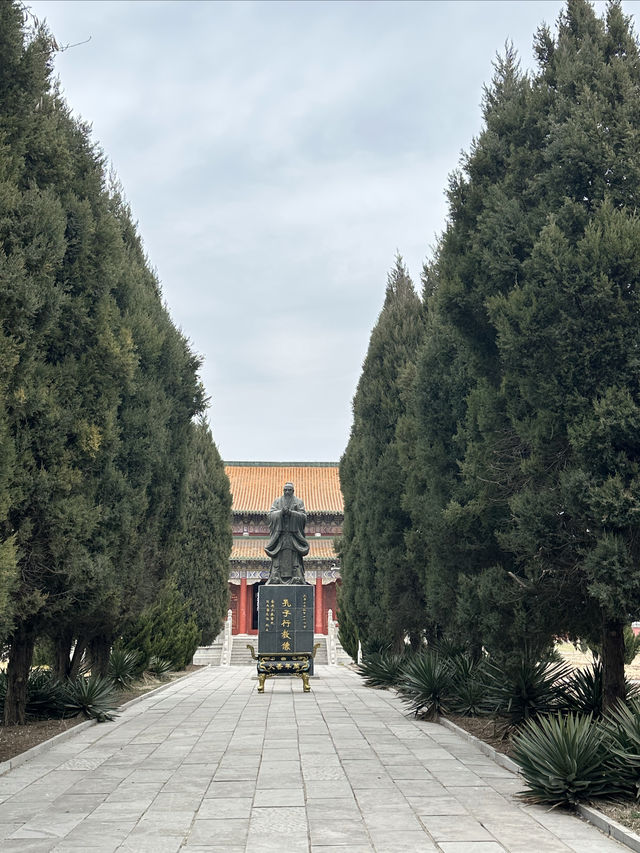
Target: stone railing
227 641
332 640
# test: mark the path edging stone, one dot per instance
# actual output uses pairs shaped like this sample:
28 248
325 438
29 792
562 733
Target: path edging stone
600 820
17 760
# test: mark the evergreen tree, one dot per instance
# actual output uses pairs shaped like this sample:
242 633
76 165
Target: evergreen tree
380 591
202 544
530 464
100 387
166 629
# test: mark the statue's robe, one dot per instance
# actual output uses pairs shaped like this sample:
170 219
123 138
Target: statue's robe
287 544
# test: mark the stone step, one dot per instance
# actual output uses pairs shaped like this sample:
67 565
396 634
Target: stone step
321 658
241 656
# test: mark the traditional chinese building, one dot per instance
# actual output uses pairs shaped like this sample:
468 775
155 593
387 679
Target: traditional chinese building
254 486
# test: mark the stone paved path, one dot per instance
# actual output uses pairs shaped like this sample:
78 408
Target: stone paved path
211 765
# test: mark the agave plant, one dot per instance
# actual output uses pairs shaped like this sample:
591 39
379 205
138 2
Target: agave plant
159 666
382 669
93 697
449 648
468 686
527 689
45 695
564 760
584 690
425 684
123 666
622 726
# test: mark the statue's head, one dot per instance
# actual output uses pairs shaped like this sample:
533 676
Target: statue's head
288 490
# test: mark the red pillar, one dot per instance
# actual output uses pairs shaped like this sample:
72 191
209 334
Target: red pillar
242 620
319 627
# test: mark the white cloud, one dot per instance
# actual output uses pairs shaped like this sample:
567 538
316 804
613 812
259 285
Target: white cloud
277 154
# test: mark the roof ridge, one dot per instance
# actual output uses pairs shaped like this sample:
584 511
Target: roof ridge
283 464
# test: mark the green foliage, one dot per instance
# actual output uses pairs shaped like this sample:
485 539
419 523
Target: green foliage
165 630
631 645
43 655
469 687
380 589
622 725
564 760
98 387
202 544
584 690
8 579
469 698
526 689
425 684
375 644
93 697
519 443
382 669
347 630
123 667
45 695
159 666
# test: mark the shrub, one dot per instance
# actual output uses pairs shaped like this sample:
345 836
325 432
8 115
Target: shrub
382 669
166 629
564 760
93 697
347 631
631 644
425 684
526 689
123 667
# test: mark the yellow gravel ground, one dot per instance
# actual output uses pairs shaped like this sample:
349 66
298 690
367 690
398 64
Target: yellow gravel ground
578 659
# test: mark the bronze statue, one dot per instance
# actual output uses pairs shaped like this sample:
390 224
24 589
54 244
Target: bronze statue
287 545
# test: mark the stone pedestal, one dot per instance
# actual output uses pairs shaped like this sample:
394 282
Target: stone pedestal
285 630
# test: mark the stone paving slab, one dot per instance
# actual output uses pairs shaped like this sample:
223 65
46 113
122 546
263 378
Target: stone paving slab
211 765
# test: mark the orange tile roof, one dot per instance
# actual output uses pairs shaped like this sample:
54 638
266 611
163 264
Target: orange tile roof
252 548
255 486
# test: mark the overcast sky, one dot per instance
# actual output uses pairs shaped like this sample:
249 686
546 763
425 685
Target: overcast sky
276 155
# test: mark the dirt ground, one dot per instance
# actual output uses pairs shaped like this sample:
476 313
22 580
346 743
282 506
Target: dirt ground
17 739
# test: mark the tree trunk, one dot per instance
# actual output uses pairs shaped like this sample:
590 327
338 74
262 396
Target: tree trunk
100 651
613 687
63 656
76 658
20 657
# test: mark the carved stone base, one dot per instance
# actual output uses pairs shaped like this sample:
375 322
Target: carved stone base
271 666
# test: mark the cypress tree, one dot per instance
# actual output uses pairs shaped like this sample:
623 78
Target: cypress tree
380 590
202 544
535 288
100 391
